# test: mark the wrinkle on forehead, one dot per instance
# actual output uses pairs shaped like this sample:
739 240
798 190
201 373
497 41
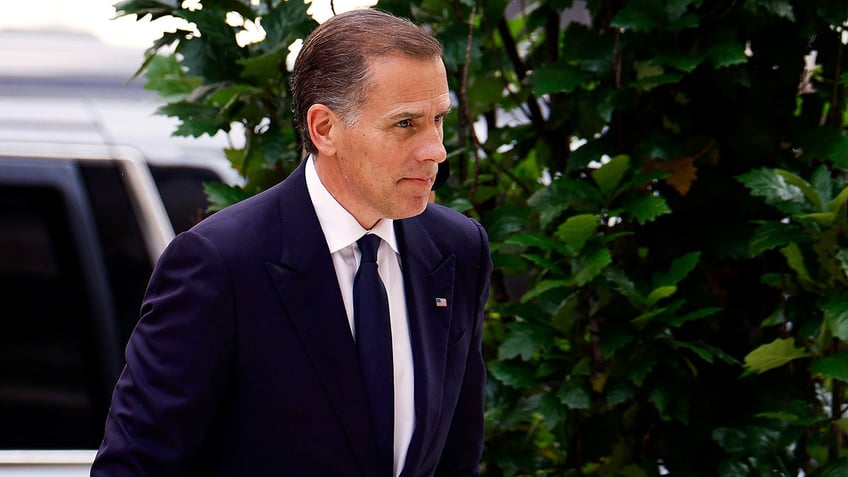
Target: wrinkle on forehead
409 87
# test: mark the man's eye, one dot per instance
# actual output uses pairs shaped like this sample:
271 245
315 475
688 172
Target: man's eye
405 123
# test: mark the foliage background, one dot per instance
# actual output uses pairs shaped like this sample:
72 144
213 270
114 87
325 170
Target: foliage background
664 185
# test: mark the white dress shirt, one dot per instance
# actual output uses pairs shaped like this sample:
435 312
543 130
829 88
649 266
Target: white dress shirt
341 230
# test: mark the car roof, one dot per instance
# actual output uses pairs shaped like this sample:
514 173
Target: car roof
66 87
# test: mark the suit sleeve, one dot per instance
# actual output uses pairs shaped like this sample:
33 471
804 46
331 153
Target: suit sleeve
177 365
464 446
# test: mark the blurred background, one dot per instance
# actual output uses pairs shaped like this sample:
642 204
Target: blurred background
66 75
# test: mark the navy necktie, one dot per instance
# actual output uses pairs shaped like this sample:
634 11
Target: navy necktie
374 341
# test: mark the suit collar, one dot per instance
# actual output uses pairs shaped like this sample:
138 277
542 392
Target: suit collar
306 282
428 275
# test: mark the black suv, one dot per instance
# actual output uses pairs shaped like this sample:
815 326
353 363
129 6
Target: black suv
92 189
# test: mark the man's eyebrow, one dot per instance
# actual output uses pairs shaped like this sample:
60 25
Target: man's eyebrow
405 115
410 115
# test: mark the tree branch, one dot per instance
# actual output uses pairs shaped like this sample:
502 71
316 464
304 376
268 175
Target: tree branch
520 71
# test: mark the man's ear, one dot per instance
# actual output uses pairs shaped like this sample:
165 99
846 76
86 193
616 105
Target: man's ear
321 122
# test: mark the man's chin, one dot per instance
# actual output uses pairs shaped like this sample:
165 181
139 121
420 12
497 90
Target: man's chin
412 211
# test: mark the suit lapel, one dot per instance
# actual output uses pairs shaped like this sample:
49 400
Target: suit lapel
306 281
427 276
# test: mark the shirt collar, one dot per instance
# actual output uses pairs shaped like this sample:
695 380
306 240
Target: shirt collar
340 228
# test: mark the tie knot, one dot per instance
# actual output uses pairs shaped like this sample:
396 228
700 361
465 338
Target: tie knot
368 245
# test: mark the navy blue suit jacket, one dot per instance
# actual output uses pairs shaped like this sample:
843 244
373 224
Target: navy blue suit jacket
243 361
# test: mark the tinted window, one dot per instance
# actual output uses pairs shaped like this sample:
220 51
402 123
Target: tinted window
65 319
127 264
182 193
47 362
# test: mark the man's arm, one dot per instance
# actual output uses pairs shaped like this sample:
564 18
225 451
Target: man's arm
177 365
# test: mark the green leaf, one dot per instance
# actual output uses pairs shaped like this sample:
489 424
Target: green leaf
825 143
659 293
678 321
512 374
703 352
639 367
726 52
662 398
143 8
543 286
212 55
836 315
551 410
834 366
543 242
680 269
577 230
842 260
625 286
613 339
221 195
505 221
591 266
619 392
575 394
825 219
609 175
641 16
822 182
770 235
286 22
681 61
524 339
809 192
647 69
646 208
836 204
549 266
460 204
196 119
165 76
265 66
795 260
646 317
774 188
773 355
557 77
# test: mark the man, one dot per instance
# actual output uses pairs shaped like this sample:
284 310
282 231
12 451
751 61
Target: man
253 355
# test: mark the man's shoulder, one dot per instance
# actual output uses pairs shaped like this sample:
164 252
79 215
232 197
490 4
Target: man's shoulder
257 209
448 226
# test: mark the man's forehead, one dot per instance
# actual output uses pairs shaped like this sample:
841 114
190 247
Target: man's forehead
438 102
400 86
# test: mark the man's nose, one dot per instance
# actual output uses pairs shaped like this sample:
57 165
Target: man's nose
432 147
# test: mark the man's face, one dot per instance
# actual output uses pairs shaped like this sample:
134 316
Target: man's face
385 164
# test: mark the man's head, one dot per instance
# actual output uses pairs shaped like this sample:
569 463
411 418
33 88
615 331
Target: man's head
371 95
332 67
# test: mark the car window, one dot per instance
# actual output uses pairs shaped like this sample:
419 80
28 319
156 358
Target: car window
182 193
127 264
46 360
73 269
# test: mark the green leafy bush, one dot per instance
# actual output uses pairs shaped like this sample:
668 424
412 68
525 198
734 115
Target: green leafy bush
664 185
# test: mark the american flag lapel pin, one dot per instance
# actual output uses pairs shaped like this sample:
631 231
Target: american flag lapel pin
441 302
